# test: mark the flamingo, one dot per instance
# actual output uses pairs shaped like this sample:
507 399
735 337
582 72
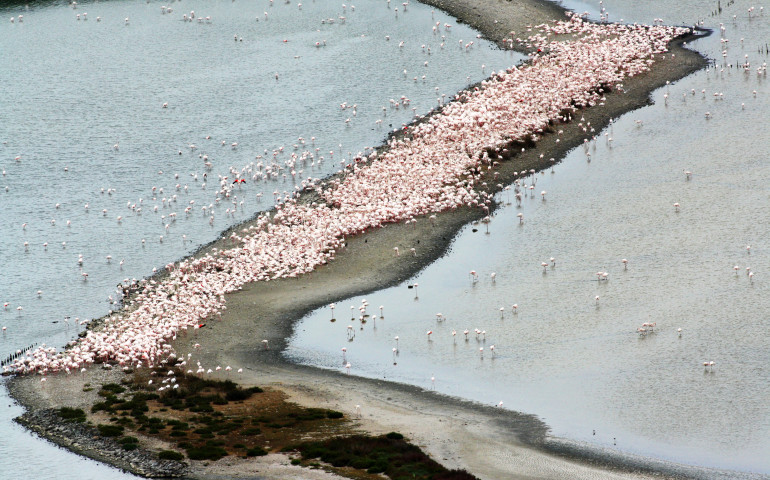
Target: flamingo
296 238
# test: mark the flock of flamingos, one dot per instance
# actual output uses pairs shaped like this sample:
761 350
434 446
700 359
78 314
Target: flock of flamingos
438 165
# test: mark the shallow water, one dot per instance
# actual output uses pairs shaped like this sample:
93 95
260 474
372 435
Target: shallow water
73 89
76 88
577 362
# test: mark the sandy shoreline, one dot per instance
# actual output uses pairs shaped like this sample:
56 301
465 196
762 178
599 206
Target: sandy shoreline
489 442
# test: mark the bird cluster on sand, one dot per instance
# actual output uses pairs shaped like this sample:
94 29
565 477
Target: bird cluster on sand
435 166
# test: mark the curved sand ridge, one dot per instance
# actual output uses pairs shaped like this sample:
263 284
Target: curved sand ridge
434 167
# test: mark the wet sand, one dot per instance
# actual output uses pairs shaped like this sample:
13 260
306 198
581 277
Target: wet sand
489 442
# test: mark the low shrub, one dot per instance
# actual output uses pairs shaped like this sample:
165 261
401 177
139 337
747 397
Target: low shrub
129 443
170 455
128 439
110 430
256 452
72 414
388 454
206 452
113 387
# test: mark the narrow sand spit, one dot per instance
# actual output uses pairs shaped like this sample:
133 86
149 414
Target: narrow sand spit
489 442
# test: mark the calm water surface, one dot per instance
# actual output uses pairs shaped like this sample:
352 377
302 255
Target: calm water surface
74 89
578 362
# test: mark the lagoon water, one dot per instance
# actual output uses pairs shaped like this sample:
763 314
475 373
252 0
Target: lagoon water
82 109
75 88
576 361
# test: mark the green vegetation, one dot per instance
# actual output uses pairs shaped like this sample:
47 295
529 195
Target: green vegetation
129 443
170 455
136 406
387 454
110 430
256 452
113 388
210 419
193 396
206 451
72 414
